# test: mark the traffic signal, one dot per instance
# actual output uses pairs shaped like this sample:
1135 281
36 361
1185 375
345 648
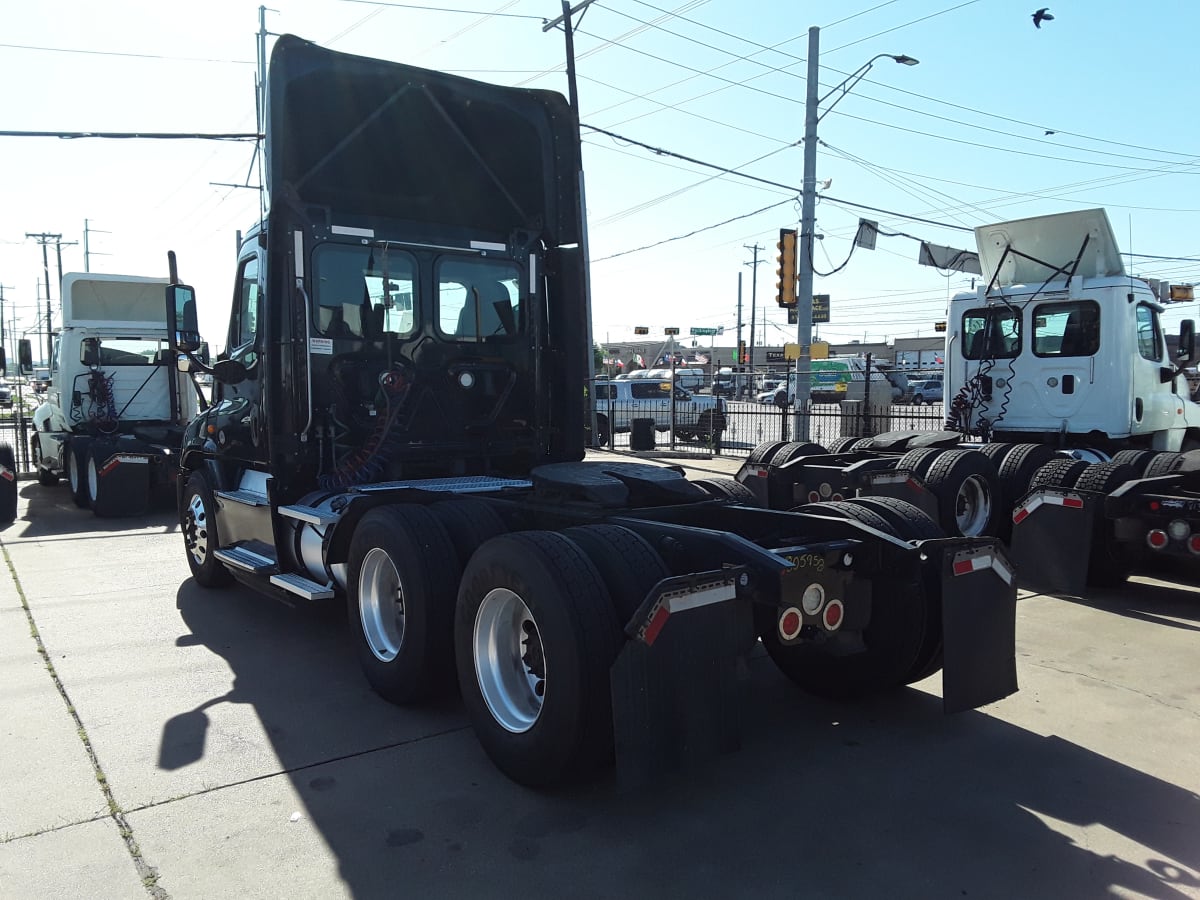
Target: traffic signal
641 329
939 326
785 288
742 356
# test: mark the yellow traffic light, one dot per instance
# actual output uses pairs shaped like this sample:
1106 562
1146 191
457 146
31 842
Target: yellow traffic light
786 286
939 326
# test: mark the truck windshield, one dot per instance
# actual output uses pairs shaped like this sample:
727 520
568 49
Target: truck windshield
354 300
478 298
992 333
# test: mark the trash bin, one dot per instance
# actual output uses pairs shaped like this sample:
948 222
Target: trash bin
641 434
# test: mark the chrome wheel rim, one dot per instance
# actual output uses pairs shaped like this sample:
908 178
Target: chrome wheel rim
510 664
381 605
195 530
93 478
972 506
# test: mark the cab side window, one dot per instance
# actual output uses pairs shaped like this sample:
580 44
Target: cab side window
1149 335
1066 329
243 328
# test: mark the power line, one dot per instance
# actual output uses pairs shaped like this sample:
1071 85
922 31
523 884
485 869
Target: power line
239 62
466 12
129 135
680 237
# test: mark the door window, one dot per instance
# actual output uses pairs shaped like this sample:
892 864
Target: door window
1149 336
244 326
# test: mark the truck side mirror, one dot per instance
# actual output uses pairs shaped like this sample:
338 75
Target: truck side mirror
89 352
1187 343
24 357
182 324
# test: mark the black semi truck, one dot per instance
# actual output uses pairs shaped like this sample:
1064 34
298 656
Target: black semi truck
399 426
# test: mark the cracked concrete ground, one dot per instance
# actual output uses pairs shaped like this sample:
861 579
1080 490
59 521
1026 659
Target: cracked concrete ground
157 739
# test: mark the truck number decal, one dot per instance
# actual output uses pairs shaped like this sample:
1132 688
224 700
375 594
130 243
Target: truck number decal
814 562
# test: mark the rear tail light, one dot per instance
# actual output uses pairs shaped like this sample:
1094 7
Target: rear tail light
1194 543
1157 539
1179 530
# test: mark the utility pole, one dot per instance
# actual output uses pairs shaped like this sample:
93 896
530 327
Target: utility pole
3 287
88 253
58 245
581 212
753 297
737 348
46 240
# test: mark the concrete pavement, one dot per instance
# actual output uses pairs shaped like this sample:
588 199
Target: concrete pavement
177 742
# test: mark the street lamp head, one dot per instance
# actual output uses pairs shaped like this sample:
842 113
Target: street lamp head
905 60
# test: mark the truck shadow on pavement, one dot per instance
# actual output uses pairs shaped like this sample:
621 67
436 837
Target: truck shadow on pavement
1159 602
50 512
886 798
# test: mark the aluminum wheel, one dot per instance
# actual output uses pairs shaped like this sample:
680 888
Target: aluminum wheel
509 662
195 530
973 506
381 604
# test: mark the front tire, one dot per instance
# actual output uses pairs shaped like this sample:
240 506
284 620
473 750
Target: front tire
403 578
198 523
535 634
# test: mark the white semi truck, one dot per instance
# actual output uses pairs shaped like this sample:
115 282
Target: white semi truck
113 415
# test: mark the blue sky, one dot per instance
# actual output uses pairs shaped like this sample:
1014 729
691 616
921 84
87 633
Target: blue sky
959 140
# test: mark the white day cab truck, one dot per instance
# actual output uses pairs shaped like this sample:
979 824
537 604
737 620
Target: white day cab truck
1058 363
398 426
111 420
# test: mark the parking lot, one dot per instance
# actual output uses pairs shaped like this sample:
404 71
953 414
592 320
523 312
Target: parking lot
159 739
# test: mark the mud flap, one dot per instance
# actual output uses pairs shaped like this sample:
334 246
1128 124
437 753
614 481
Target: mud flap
8 495
676 684
122 486
979 625
1052 540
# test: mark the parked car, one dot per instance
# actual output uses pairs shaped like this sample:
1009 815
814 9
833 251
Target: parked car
929 391
6 395
618 403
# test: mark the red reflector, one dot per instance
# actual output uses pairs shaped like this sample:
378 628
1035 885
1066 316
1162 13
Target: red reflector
814 497
833 615
837 497
1154 504
789 625
7 475
655 625
1194 543
1073 502
963 567
1157 539
1020 515
110 465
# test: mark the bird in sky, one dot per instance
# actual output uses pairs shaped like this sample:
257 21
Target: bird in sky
1042 15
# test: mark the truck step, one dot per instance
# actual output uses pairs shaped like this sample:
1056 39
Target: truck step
310 514
246 560
297 584
471 484
249 498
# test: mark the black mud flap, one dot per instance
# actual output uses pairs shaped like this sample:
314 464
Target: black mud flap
903 485
676 684
1052 540
757 478
122 486
979 625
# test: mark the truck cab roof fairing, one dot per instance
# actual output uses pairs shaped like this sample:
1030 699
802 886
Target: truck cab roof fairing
1054 240
367 137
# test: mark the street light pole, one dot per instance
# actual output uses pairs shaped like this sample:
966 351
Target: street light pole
808 203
